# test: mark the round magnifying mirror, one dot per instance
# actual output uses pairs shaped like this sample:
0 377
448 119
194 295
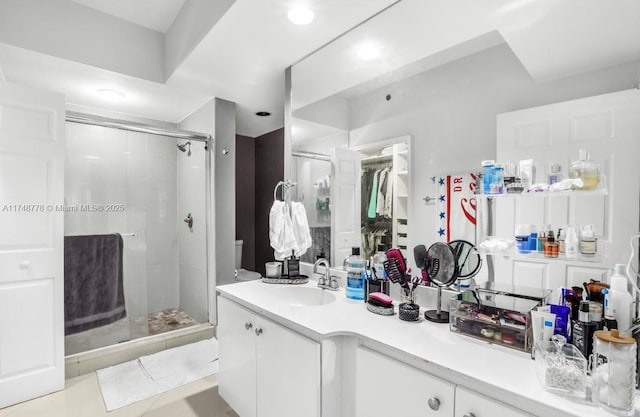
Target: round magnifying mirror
468 258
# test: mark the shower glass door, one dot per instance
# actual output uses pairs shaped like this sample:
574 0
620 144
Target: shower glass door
142 187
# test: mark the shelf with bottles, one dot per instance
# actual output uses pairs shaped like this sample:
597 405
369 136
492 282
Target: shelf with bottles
323 204
507 249
540 194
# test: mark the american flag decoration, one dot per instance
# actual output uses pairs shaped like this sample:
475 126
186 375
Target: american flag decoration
456 207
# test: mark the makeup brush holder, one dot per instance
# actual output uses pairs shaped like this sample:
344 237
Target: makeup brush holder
409 312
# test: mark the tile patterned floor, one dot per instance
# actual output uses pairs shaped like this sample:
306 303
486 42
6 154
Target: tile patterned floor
82 398
128 329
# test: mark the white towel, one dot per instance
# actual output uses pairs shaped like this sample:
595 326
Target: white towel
281 236
300 228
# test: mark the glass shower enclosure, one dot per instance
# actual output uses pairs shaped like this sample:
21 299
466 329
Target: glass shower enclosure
145 194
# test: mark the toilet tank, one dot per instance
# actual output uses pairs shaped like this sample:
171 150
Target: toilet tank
238 254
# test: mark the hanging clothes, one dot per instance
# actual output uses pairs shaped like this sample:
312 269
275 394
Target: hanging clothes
382 189
373 200
388 197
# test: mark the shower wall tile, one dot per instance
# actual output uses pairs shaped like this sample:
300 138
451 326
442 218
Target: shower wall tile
193 292
162 290
161 149
135 279
108 166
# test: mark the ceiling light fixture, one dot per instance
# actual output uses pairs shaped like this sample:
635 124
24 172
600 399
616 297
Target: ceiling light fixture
369 52
263 113
111 95
300 16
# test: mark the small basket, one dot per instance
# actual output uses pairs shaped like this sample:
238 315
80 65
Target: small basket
409 311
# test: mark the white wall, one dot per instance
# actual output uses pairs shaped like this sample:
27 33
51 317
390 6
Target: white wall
109 166
77 33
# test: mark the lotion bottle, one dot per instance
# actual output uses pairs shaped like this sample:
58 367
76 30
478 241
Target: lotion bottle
619 299
571 243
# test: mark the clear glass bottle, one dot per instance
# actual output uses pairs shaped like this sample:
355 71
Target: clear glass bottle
588 242
497 183
555 173
585 169
378 262
355 275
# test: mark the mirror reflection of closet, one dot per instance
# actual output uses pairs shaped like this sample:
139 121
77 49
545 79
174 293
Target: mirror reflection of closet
337 182
384 195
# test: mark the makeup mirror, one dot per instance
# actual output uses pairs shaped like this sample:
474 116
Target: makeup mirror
468 259
442 269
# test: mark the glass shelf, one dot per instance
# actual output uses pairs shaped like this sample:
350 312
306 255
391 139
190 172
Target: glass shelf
512 253
538 194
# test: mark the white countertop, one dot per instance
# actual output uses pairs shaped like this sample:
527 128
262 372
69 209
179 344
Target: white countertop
498 372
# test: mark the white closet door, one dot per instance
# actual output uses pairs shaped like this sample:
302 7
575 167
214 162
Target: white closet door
31 243
345 203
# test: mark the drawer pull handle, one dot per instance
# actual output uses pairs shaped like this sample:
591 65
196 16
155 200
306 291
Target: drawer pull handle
258 331
25 265
434 403
469 415
247 326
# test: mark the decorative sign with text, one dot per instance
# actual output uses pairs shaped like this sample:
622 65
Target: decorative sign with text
456 207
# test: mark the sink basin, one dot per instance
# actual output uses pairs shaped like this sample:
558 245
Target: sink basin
302 296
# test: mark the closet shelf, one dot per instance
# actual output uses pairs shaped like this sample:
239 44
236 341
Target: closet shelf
403 172
376 158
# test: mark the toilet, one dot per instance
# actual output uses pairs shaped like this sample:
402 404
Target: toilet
241 273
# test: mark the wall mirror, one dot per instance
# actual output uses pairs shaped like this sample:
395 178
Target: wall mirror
433 76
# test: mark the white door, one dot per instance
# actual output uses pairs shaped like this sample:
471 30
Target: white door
608 127
345 203
237 351
31 243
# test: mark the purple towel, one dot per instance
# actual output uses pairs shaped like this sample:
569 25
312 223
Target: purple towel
93 282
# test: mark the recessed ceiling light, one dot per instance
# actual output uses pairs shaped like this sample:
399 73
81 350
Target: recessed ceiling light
263 113
300 16
368 52
111 95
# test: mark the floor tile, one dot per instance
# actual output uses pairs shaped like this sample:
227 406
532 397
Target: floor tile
82 398
206 403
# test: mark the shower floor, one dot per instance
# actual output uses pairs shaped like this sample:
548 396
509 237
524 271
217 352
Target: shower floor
128 329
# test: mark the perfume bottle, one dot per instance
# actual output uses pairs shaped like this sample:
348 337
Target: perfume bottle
585 169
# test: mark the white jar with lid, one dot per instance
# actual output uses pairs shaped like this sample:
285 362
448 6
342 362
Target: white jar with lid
614 372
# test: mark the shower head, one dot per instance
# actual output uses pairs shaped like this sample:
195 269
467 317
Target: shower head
185 147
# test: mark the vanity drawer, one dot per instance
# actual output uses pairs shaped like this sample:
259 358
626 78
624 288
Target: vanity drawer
387 387
472 404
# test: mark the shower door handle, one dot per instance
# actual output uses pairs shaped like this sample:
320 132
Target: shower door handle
189 221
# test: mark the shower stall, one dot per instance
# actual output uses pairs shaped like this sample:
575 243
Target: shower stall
148 192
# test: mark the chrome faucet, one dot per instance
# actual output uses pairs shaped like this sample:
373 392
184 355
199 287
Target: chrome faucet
327 281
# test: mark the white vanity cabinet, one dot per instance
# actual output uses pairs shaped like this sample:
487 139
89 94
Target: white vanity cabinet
266 370
472 404
387 387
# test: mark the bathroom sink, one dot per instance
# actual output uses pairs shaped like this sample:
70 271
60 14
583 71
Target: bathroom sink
302 296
